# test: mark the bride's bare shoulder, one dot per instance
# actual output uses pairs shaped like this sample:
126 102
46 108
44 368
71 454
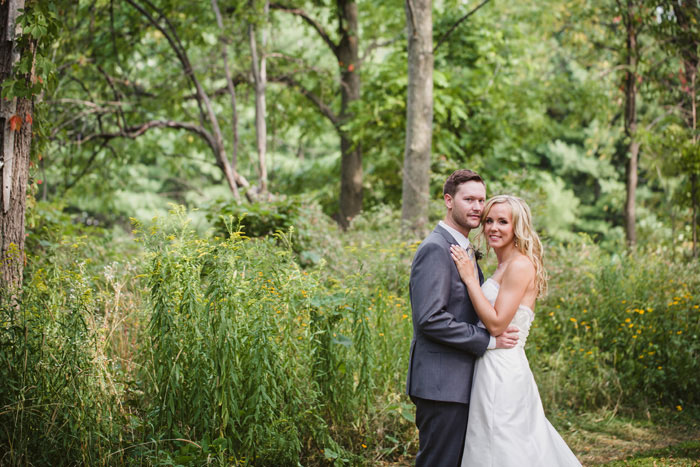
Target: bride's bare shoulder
521 268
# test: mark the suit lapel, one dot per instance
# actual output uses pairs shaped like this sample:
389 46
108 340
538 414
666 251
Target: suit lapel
451 241
446 235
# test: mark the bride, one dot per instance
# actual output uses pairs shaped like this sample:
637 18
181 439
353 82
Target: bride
507 425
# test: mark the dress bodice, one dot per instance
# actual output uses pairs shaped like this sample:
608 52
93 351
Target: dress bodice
523 318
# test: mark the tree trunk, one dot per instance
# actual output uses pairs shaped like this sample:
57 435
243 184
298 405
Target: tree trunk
631 125
259 69
691 64
351 153
231 90
419 117
694 196
685 15
14 152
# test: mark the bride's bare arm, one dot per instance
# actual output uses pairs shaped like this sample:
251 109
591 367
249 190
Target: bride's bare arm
513 287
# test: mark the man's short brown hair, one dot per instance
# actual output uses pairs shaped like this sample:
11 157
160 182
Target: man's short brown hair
457 178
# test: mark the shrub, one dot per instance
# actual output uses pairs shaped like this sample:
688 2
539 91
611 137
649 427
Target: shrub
311 227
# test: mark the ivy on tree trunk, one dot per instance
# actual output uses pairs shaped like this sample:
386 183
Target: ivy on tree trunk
16 119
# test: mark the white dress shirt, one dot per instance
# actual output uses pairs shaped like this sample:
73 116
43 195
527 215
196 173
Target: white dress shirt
463 242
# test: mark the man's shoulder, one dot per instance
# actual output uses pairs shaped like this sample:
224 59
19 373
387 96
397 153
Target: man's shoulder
439 236
436 243
434 238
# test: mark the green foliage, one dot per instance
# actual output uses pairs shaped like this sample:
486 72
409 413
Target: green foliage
246 346
224 349
40 25
219 345
59 403
256 219
302 218
618 330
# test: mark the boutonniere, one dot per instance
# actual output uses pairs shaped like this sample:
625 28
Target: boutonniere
473 252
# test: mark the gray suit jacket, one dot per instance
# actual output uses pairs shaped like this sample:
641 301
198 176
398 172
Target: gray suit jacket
446 340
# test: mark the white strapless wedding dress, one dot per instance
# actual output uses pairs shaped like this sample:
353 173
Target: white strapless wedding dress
507 425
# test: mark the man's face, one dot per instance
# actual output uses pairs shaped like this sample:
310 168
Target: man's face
466 205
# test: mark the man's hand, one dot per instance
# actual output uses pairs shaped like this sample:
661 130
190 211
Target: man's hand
508 339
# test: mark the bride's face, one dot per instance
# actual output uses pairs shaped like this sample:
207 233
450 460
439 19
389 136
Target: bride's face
498 226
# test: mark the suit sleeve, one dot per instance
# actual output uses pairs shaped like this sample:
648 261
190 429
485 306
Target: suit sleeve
430 293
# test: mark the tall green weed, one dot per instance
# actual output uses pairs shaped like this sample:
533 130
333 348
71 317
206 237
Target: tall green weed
59 402
618 330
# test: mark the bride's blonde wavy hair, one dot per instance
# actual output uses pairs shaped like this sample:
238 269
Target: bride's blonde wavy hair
526 239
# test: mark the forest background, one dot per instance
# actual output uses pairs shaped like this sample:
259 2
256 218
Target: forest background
210 210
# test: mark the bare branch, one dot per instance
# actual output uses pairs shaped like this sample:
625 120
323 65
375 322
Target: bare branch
135 131
670 110
457 23
87 165
300 61
175 44
311 21
374 45
325 110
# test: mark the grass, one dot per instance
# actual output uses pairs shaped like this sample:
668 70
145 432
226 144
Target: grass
650 438
686 454
605 438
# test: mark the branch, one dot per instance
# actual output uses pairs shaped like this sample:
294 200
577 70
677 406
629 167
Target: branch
300 61
411 10
459 21
374 45
174 41
311 21
322 107
660 118
87 165
135 131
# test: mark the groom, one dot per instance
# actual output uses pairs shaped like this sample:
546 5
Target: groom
446 340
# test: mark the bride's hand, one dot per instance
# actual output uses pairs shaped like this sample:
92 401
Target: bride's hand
466 265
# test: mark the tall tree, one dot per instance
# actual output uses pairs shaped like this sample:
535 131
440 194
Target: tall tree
687 42
21 37
677 31
230 87
259 69
346 52
632 17
419 116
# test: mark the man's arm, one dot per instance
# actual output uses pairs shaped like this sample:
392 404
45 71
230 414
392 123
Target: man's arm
430 292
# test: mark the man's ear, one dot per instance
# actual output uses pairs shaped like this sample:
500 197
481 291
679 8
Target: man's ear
448 200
